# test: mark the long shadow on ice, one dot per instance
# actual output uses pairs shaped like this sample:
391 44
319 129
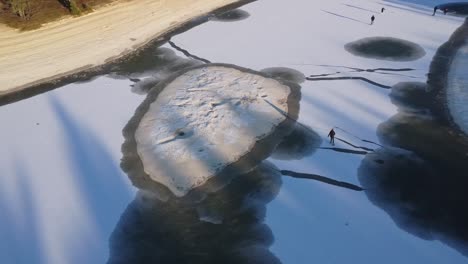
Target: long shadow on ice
320 178
361 8
98 176
345 17
21 236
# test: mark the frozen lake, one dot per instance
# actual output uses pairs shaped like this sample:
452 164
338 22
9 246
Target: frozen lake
63 194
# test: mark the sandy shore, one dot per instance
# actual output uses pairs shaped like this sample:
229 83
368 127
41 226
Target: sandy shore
73 44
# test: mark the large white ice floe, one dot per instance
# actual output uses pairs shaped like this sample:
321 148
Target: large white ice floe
208 121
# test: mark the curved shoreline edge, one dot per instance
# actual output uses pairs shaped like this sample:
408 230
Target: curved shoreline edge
438 73
90 71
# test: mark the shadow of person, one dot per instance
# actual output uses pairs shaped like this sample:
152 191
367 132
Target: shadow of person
225 227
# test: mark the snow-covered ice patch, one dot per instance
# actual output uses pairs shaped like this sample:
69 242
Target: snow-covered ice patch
215 120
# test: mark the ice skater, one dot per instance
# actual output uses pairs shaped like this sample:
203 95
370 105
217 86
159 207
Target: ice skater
331 135
435 10
383 9
372 19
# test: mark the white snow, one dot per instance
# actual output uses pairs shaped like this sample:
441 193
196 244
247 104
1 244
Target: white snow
206 119
457 85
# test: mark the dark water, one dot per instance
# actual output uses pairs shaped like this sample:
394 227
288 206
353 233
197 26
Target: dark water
429 3
385 48
231 15
226 227
419 177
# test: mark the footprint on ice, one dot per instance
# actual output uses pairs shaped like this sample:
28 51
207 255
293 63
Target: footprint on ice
386 48
198 130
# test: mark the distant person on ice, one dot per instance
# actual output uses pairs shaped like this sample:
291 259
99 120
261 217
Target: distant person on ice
381 10
435 10
331 135
372 20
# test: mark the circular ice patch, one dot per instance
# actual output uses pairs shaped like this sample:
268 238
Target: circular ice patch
286 74
386 48
213 121
302 142
231 15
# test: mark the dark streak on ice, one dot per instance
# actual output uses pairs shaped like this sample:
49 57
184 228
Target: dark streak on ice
354 146
338 15
349 78
187 53
357 7
323 75
350 151
363 140
368 141
368 70
321 179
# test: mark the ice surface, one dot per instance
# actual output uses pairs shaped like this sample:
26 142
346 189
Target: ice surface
311 222
457 89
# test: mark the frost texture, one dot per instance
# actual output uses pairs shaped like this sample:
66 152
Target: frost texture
205 119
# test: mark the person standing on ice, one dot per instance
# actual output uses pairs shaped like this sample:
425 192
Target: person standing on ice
372 19
383 9
435 10
331 135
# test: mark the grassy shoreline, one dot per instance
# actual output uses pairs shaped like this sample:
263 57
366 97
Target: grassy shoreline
32 14
110 38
